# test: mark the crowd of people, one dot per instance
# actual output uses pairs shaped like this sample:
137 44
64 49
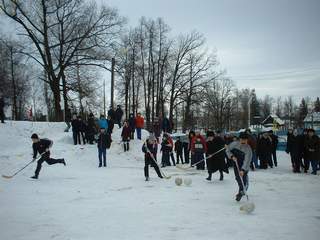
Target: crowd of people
213 151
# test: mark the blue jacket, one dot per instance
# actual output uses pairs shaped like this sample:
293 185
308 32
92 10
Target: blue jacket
103 123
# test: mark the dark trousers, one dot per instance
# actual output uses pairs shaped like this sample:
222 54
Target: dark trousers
165 160
2 115
186 153
83 136
238 179
274 158
197 158
314 165
149 161
126 145
296 163
179 156
132 135
76 137
102 153
172 158
46 158
119 122
306 162
139 133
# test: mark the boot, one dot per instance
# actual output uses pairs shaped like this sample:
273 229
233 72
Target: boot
63 161
34 177
221 176
147 179
209 177
239 196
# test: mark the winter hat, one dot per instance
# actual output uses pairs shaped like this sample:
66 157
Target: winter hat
152 137
34 136
243 135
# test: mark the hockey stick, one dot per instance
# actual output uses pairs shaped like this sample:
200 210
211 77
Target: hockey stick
155 162
195 164
11 176
248 207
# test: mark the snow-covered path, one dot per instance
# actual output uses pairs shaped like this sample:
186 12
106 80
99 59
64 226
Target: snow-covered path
80 201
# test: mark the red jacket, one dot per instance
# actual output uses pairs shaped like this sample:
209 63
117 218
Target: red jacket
200 139
139 122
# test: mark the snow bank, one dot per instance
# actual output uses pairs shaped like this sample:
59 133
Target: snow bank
81 201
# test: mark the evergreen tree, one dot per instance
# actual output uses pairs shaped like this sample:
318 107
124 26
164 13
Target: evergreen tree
303 111
317 105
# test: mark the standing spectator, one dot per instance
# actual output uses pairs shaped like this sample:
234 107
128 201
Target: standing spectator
68 119
311 146
103 143
295 149
264 151
165 125
274 141
112 113
156 129
2 116
103 123
171 153
252 141
91 128
217 161
110 125
191 136
132 124
166 149
198 149
119 114
82 129
125 134
139 125
178 148
186 150
75 129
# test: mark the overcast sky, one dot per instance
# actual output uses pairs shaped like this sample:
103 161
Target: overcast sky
269 45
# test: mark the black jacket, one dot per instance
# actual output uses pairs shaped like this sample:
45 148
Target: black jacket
295 145
178 147
216 162
104 141
41 146
311 146
264 148
76 125
119 114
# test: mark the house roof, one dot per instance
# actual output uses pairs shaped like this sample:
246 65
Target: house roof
315 117
275 118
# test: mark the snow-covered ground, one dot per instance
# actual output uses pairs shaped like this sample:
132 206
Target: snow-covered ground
82 201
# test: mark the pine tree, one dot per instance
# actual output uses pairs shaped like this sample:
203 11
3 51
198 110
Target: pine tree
317 105
303 111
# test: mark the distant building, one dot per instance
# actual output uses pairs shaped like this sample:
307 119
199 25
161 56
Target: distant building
312 120
273 121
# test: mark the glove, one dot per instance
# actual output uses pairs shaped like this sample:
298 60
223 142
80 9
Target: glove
47 149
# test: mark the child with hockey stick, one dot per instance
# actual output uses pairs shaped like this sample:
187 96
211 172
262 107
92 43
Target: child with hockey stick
240 152
150 148
42 147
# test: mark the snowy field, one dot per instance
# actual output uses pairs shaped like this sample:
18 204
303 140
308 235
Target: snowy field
82 201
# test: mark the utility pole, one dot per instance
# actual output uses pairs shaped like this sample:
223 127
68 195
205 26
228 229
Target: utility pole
112 81
249 110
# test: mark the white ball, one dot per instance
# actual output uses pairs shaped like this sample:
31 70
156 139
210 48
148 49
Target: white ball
178 181
187 181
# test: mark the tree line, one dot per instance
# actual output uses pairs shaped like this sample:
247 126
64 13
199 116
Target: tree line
63 45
